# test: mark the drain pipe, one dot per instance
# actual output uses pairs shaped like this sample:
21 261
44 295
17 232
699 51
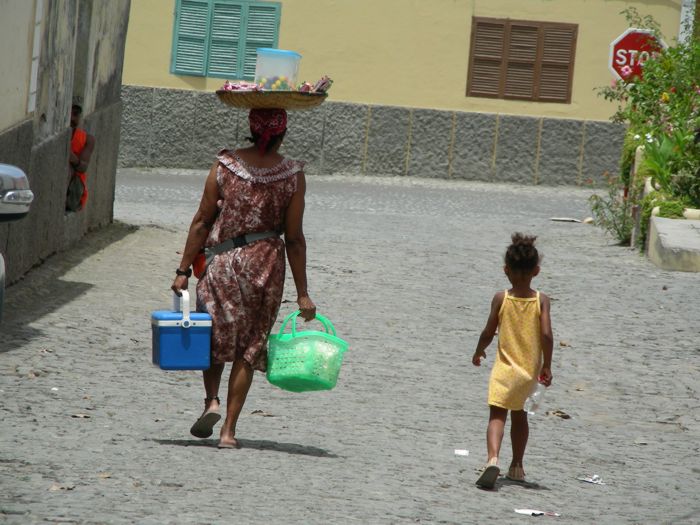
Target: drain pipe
688 13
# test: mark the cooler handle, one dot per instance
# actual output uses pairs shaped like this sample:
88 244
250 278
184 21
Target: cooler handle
182 304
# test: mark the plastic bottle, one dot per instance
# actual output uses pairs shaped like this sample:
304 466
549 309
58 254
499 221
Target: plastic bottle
533 403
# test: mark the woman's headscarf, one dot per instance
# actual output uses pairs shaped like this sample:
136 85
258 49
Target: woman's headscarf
265 124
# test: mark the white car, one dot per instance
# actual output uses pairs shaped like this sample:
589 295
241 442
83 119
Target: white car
15 199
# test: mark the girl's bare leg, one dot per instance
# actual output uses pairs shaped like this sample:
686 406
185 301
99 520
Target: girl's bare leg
494 432
519 433
238 385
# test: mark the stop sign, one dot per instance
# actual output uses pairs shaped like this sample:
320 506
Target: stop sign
630 50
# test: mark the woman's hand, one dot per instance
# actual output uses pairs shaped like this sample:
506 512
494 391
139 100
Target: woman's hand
180 283
307 308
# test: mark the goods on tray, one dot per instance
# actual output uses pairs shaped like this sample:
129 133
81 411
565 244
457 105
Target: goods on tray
276 69
322 85
275 83
240 86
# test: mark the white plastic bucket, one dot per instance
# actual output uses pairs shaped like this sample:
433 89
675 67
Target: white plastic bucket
277 69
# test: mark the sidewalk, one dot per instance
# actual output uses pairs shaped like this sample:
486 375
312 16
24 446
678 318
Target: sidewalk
93 433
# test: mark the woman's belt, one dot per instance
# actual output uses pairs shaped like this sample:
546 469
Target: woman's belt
236 242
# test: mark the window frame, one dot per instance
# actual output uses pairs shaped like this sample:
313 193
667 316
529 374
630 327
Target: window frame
506 60
243 38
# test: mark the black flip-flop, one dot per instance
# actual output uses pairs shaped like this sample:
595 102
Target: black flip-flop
204 426
488 477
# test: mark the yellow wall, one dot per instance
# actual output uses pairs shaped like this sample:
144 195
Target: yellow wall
16 33
406 52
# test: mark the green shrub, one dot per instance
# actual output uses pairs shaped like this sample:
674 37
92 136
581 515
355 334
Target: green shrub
611 212
668 208
671 209
662 111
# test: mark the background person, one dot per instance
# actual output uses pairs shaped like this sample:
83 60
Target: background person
261 195
81 147
521 316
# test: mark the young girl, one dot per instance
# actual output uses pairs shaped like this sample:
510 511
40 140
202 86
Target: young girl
521 316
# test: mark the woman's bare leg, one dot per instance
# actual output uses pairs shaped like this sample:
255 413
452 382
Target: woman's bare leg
212 379
494 432
203 427
519 433
238 385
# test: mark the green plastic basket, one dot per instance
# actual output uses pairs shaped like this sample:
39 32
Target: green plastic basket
301 361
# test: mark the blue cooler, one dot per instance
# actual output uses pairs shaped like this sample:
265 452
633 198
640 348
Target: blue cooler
181 339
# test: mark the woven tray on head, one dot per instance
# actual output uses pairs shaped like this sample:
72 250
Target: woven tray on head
271 99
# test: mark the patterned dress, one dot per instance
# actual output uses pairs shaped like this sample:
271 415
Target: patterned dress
242 288
519 358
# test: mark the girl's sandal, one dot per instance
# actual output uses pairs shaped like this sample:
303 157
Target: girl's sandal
204 426
488 477
516 474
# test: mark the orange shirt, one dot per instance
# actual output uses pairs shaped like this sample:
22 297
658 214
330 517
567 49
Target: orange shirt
77 144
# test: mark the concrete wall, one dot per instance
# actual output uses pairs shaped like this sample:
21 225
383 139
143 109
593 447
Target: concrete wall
411 53
185 129
39 144
15 56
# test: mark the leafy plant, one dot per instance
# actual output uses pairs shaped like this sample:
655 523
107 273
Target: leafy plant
671 209
662 113
611 212
668 159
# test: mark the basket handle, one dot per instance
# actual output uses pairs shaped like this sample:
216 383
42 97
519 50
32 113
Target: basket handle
330 329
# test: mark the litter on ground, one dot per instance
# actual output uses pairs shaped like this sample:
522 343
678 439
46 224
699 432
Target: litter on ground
595 479
533 512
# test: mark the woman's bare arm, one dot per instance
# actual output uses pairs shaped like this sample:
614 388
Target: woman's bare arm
295 243
202 222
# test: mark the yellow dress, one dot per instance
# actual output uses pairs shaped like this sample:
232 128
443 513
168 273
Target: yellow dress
519 358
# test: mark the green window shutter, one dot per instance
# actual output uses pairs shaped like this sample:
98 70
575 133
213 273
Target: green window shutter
262 30
224 55
190 38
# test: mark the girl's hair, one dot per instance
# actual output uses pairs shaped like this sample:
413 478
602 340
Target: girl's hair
274 140
521 255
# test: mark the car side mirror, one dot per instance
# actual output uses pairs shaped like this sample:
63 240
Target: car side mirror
15 195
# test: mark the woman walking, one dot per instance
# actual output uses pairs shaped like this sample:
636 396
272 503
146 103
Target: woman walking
251 197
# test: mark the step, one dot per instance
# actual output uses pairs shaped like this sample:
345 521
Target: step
674 244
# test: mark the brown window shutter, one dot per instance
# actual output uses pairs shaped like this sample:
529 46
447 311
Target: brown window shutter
486 61
523 60
523 45
557 63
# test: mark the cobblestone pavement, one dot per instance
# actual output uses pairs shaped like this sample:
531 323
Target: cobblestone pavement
93 433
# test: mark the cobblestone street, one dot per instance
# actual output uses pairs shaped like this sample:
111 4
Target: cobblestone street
405 268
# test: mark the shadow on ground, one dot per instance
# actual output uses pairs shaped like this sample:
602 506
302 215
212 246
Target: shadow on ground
30 299
503 483
288 448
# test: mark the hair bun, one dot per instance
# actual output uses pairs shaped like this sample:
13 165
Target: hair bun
522 254
520 239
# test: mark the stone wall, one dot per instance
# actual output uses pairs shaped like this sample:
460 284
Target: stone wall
184 129
40 144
